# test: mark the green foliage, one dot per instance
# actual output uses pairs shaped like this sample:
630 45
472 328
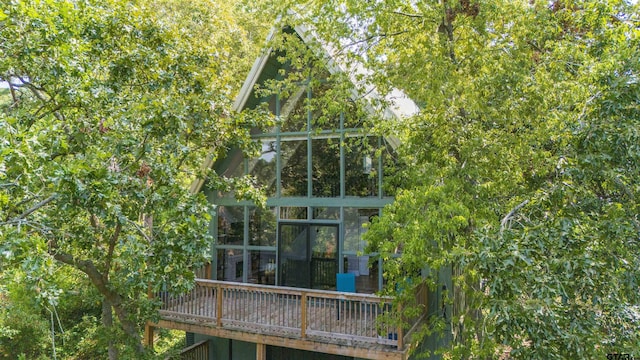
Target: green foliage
5 96
522 168
116 106
85 340
25 319
27 334
20 325
170 342
22 332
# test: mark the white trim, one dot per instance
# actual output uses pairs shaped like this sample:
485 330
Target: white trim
253 76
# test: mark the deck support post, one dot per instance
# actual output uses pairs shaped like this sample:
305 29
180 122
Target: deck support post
148 336
219 291
303 315
207 271
261 351
400 325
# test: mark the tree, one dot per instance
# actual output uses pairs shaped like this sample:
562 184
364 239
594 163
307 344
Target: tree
65 328
113 106
521 170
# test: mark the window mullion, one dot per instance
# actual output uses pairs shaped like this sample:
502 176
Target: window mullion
342 158
309 158
380 169
278 148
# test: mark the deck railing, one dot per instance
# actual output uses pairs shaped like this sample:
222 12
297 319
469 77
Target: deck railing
197 351
415 321
203 272
302 313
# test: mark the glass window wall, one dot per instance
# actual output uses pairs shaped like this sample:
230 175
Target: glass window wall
294 168
294 264
230 225
230 265
326 106
293 212
391 169
295 112
366 270
326 213
326 167
264 167
262 267
355 225
356 261
361 167
231 167
262 226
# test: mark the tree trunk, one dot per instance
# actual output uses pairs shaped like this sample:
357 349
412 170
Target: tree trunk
107 322
129 326
113 299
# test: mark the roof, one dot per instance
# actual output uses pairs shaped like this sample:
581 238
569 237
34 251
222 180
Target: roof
399 104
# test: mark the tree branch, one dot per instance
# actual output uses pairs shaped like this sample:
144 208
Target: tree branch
34 89
446 28
505 220
31 210
38 92
53 111
101 283
415 16
13 93
27 200
37 206
112 245
141 231
8 185
87 267
377 37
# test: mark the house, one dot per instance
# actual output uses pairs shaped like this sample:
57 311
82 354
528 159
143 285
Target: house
293 280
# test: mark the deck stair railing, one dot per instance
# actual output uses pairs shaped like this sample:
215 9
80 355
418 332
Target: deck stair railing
418 318
197 351
302 313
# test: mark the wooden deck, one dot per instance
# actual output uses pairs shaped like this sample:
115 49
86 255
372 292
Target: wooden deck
327 321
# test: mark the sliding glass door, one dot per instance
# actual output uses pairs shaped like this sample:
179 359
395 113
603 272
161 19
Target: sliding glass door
308 255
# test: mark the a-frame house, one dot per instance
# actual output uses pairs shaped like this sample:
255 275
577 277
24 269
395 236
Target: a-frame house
294 280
